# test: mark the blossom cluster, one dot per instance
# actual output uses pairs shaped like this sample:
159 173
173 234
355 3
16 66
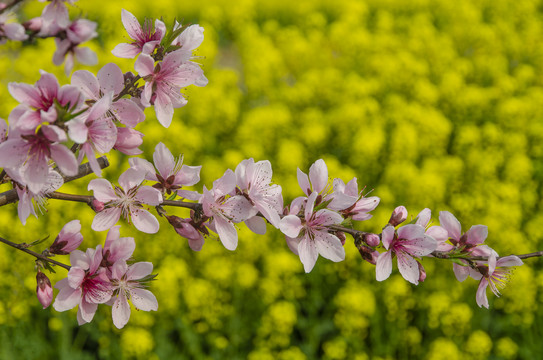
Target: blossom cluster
55 127
100 275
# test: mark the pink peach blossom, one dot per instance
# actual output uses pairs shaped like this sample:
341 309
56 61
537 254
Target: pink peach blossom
311 237
146 38
128 202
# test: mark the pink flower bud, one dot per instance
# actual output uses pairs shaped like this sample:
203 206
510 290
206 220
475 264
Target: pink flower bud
368 254
68 239
97 205
34 24
128 141
398 216
372 239
44 291
422 272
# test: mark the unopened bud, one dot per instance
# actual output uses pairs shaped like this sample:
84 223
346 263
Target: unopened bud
68 239
422 272
341 236
97 205
44 291
398 216
368 254
372 239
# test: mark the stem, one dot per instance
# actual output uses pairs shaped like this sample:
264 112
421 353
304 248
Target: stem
71 197
127 88
179 203
33 253
9 6
11 196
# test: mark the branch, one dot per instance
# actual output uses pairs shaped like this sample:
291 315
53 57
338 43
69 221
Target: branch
11 196
9 6
23 247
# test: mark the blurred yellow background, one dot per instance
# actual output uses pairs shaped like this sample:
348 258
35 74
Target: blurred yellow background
431 103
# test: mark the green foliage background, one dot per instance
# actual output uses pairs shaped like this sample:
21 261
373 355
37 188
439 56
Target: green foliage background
431 103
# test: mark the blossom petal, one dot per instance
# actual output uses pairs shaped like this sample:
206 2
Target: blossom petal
144 300
308 253
318 175
227 233
111 78
477 234
148 195
291 225
144 221
139 270
451 224
257 225
120 312
106 218
481 298
103 191
163 160
408 267
383 267
329 246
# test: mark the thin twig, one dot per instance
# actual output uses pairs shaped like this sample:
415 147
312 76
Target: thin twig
33 253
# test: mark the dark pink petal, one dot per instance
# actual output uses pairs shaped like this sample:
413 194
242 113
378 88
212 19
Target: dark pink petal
144 221
308 253
144 300
106 218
